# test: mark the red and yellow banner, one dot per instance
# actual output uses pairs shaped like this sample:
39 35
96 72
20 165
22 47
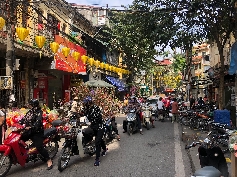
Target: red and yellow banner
69 64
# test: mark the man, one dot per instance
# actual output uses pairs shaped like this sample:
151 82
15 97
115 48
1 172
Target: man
133 104
160 109
94 115
192 102
35 130
175 110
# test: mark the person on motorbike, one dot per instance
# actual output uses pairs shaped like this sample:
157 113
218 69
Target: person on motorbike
107 113
35 130
160 108
134 105
94 115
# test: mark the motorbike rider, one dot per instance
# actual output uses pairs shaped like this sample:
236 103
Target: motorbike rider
109 114
94 116
35 130
160 108
135 105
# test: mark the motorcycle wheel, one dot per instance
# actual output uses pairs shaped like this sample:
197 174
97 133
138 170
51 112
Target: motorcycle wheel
64 158
185 121
148 125
6 163
129 129
52 148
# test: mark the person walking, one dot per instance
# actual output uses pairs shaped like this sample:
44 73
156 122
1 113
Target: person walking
94 115
192 102
175 110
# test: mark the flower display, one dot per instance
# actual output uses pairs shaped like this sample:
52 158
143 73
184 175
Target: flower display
15 116
233 143
102 96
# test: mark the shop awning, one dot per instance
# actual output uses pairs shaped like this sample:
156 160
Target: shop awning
116 82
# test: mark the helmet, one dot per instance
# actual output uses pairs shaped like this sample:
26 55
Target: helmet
34 103
88 99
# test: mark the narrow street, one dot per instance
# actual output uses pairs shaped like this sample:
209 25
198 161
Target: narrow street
157 153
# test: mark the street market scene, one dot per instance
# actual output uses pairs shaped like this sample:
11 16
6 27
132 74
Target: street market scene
118 88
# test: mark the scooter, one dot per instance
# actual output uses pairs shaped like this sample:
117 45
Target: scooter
14 150
78 141
131 123
109 134
147 117
211 155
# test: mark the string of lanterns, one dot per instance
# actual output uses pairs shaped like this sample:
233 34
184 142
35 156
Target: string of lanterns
22 33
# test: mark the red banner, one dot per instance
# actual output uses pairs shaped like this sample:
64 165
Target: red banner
69 64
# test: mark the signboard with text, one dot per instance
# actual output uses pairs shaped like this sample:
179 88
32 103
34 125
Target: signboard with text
69 64
6 82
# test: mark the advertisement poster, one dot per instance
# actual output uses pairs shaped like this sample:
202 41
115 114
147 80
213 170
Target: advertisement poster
6 82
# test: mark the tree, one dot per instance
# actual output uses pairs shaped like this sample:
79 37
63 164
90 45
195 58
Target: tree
132 32
195 21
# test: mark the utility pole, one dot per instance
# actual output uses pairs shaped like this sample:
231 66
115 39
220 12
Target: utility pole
10 43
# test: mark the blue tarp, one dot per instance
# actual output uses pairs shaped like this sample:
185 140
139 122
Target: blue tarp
233 59
116 82
222 116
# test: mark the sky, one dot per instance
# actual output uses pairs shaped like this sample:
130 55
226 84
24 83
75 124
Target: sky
110 3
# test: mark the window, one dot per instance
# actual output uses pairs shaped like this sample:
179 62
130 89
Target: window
64 27
3 9
53 24
40 21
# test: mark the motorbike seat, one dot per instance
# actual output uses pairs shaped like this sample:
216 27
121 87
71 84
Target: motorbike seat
208 171
49 131
57 123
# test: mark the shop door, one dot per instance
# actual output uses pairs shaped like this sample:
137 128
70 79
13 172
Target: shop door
41 90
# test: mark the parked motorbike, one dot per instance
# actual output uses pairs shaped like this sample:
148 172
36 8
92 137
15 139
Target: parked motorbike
110 134
78 141
14 150
211 155
147 117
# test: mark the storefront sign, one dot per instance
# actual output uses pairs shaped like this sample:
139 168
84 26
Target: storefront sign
69 64
6 82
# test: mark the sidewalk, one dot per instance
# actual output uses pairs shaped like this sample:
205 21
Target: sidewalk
190 136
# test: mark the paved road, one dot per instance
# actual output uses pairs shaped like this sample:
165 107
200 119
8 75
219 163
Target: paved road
157 153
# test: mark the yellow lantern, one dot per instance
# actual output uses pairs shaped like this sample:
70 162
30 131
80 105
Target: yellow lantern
110 68
40 41
54 46
97 63
22 33
113 68
65 51
91 61
75 55
2 23
102 65
118 70
84 58
107 67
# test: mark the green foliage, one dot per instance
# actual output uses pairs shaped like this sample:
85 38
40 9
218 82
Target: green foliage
179 62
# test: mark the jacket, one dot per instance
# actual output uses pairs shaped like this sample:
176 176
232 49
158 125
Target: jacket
94 115
34 120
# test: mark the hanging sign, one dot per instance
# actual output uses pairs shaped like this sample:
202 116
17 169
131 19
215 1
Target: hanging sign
6 82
